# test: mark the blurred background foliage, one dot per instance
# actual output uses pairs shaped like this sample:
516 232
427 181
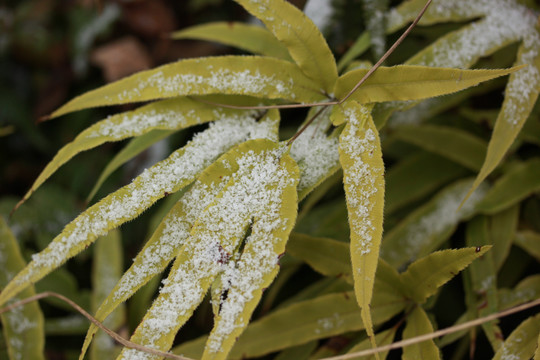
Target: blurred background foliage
53 50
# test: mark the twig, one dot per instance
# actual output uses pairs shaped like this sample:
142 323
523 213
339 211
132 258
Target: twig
438 333
111 333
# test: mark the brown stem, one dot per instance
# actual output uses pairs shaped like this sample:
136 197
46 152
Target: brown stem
96 322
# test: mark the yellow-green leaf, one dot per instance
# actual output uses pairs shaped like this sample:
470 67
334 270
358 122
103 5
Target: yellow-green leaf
132 149
326 256
425 229
527 289
107 269
418 324
363 178
251 38
514 186
383 338
172 114
361 44
522 342
426 275
231 75
483 276
167 176
300 35
272 222
502 229
22 326
416 176
411 82
530 242
454 144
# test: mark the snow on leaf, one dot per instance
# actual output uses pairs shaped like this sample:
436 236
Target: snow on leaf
363 178
173 114
412 82
252 38
300 35
231 75
252 195
168 176
522 342
315 153
427 227
22 326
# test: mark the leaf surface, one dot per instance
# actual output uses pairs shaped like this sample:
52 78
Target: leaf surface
361 44
251 38
411 82
502 229
231 75
418 324
426 275
522 342
382 339
514 186
22 326
167 176
363 177
454 144
530 242
300 35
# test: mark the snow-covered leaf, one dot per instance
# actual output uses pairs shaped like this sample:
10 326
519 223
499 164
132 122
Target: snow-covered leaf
522 342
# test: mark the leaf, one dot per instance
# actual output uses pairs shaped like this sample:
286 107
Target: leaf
411 82
417 176
454 144
167 176
530 242
426 228
363 178
522 342
361 44
251 38
502 229
272 222
174 229
107 269
299 352
231 75
526 290
173 114
131 150
423 277
514 186
484 279
22 326
419 324
326 256
257 186
300 35
382 339
375 19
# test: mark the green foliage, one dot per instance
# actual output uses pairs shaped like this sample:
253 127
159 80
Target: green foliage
234 192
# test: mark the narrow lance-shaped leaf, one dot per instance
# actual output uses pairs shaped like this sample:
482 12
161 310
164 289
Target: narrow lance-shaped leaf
454 144
172 114
274 215
514 186
363 178
213 240
423 277
522 342
530 242
22 326
418 324
429 225
107 269
231 75
252 38
131 150
168 176
300 35
502 229
174 229
358 48
411 82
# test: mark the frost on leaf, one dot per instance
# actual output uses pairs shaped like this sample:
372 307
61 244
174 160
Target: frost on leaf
261 193
316 154
167 176
363 178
